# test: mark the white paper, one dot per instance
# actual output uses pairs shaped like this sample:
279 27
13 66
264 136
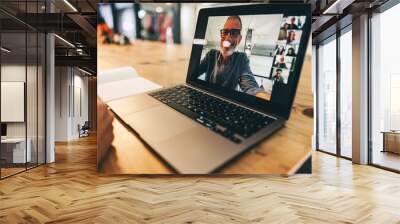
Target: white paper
122 88
117 74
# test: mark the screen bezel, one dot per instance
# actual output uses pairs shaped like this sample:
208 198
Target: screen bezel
276 108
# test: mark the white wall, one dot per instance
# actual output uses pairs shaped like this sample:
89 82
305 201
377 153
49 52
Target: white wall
70 83
12 73
80 109
13 101
82 82
62 81
33 127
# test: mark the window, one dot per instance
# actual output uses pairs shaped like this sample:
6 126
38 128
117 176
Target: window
334 99
385 89
327 96
346 94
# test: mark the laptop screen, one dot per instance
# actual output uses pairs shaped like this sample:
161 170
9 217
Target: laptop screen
255 58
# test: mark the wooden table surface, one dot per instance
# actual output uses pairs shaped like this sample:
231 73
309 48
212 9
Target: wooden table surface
282 153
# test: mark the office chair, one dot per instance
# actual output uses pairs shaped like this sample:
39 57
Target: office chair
84 130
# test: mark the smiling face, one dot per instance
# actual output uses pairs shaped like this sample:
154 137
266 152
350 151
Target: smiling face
230 36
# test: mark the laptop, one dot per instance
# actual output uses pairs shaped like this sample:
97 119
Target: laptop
242 77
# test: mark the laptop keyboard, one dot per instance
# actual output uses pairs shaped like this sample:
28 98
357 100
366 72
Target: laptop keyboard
227 119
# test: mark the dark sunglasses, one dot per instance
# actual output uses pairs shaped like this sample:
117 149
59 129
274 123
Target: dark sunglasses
232 32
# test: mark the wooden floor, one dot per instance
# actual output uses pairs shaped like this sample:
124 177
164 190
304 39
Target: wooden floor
387 159
10 171
71 191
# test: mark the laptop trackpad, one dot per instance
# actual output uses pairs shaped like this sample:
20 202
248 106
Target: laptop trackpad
158 123
197 151
132 104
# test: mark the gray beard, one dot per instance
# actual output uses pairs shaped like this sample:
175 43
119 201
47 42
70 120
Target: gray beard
229 52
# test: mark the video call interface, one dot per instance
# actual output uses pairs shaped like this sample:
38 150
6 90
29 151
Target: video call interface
251 53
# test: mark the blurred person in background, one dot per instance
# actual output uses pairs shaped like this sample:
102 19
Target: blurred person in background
104 32
106 35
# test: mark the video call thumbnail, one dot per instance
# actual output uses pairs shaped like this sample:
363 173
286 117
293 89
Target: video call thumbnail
283 62
279 75
250 53
288 50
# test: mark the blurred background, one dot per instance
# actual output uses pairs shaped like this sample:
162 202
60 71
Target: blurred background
165 22
123 23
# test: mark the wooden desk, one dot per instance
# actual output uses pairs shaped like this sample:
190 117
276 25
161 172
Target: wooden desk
283 153
14 152
391 141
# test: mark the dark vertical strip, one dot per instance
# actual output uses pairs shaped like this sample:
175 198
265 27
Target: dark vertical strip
37 89
177 24
115 17
338 94
26 86
369 90
89 102
137 21
45 89
317 97
45 93
384 141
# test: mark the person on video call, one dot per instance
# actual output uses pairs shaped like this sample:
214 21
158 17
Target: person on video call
277 77
291 52
283 32
281 63
291 38
280 50
227 67
292 25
